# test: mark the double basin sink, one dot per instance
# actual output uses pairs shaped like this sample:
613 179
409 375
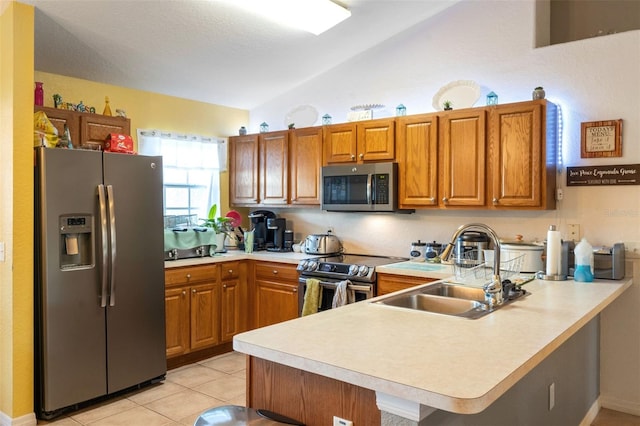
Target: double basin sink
450 299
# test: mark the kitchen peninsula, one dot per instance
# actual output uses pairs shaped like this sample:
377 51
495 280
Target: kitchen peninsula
423 368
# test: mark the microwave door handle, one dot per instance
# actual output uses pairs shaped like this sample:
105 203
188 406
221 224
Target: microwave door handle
105 245
369 182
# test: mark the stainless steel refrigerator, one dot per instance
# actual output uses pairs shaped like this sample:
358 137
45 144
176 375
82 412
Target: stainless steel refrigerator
99 276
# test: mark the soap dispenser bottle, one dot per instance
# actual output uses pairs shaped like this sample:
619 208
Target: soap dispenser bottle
584 262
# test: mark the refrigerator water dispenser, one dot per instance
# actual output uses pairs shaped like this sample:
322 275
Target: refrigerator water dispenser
76 242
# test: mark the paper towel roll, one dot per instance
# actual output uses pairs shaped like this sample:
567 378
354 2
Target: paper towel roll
554 251
71 242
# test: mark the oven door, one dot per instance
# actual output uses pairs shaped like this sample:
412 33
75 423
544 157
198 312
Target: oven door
355 292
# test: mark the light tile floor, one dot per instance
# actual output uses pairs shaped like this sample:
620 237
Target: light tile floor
192 389
179 400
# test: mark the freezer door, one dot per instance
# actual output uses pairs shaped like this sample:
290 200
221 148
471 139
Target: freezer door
70 361
135 312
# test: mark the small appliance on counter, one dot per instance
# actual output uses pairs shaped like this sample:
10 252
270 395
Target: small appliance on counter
469 248
608 261
279 243
322 244
262 236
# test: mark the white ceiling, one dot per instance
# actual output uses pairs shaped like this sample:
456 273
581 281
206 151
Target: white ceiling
209 51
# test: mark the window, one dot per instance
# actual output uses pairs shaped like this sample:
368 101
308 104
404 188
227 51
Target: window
191 170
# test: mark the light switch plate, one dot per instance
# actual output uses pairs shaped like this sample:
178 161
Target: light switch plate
1 251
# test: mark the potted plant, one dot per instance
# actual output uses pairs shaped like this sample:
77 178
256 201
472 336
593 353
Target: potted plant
220 226
447 105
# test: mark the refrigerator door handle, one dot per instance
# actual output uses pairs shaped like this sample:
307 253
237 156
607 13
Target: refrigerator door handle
105 245
112 234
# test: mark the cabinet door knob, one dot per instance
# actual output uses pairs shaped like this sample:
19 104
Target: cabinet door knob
445 200
224 286
275 271
432 199
193 290
188 276
361 156
184 293
353 157
495 201
295 290
230 271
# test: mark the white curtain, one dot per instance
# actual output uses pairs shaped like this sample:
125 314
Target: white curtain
191 166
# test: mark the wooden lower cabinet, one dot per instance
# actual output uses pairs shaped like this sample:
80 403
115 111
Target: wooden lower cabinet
205 306
309 398
389 283
234 299
275 293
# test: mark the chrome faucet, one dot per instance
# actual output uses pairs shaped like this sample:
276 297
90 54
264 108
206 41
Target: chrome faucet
492 290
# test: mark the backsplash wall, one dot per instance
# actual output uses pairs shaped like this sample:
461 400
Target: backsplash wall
492 43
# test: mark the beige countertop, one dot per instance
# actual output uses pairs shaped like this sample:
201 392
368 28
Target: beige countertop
441 361
284 257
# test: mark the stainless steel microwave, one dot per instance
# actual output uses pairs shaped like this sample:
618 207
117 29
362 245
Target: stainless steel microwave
371 187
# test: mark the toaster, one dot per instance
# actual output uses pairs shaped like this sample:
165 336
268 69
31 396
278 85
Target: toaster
608 262
322 244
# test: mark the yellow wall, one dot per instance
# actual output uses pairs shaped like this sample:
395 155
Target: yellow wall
149 110
16 207
146 110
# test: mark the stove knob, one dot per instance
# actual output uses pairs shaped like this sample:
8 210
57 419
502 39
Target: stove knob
353 269
302 265
364 270
312 265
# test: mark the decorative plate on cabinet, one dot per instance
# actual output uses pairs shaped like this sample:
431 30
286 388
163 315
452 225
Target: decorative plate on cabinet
301 116
461 94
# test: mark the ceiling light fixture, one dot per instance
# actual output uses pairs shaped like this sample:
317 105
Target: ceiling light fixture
314 16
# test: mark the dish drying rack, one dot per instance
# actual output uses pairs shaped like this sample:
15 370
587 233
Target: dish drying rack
473 270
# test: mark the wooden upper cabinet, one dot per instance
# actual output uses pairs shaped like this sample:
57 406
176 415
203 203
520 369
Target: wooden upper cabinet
417 156
371 140
305 155
95 128
340 143
376 140
86 129
519 176
243 170
462 158
274 168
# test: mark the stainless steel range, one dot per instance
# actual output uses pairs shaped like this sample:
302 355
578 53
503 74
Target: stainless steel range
358 269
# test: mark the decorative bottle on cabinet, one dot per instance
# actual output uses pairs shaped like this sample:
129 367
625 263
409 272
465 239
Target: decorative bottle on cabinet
107 108
39 94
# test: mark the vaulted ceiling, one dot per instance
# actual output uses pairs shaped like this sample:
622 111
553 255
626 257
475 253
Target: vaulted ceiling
206 50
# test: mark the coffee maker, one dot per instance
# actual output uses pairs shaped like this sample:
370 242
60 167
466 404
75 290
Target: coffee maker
278 226
262 236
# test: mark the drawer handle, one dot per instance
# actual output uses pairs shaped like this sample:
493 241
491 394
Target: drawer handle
193 291
230 271
295 290
188 276
275 272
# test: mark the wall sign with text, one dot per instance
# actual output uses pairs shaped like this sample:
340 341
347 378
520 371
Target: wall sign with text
626 174
601 139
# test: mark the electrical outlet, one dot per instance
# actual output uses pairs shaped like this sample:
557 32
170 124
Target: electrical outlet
337 421
559 194
1 251
552 396
573 232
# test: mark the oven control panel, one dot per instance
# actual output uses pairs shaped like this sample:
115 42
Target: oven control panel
316 268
